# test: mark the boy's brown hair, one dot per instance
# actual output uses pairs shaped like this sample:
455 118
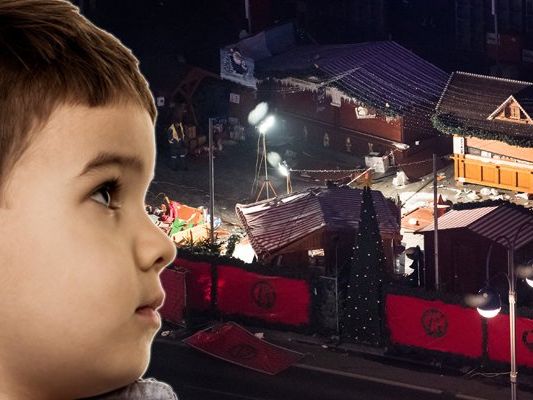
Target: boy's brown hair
50 56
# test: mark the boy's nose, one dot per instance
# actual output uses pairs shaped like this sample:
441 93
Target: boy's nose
154 249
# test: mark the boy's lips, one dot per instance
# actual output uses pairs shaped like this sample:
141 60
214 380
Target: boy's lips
154 303
148 311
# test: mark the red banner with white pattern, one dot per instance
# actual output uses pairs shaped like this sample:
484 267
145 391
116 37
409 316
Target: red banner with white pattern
434 325
269 298
199 283
173 282
498 344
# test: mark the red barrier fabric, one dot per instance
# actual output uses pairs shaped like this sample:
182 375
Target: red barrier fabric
198 283
270 298
434 325
173 283
234 344
498 345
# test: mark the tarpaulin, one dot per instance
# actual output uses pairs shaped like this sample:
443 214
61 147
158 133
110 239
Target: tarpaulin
434 325
173 282
270 298
198 283
498 345
234 344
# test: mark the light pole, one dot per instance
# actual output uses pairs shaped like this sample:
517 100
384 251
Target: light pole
211 185
435 222
491 302
264 126
284 170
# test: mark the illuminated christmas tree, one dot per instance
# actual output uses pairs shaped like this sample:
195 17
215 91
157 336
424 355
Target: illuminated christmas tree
362 320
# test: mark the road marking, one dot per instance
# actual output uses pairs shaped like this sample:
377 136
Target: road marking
220 392
467 397
385 381
370 378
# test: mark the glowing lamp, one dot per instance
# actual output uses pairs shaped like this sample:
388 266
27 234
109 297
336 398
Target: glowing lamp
267 123
283 169
491 304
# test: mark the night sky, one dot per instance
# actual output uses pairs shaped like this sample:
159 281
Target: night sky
164 32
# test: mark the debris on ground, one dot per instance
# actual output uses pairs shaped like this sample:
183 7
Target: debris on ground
472 195
524 196
485 191
400 179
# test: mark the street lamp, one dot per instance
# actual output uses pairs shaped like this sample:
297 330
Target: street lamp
529 277
491 303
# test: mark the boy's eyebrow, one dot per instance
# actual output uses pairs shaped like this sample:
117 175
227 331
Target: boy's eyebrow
104 159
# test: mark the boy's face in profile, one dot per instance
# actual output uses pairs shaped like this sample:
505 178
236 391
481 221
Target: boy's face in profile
80 257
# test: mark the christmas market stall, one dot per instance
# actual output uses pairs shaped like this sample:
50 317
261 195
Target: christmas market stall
465 234
490 120
356 98
322 222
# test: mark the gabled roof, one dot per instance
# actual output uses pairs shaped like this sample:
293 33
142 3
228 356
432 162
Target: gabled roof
274 224
525 98
509 100
469 99
383 75
491 222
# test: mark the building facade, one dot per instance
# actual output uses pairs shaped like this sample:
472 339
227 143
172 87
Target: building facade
501 30
365 98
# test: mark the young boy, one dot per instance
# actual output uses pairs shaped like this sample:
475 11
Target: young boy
79 281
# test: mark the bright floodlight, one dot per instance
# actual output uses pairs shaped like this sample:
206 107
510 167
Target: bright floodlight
529 281
492 303
258 113
267 123
273 159
283 169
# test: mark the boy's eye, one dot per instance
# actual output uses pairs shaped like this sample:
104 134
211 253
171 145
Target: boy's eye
106 193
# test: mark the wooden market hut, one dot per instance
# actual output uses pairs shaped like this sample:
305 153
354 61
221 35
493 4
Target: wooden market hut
283 230
356 98
491 121
464 237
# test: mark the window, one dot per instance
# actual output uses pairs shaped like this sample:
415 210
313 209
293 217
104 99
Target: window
473 151
514 111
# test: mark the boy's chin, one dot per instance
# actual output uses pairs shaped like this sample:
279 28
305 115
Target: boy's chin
121 374
110 384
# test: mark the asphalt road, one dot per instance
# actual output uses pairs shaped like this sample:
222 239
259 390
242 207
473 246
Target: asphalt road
196 376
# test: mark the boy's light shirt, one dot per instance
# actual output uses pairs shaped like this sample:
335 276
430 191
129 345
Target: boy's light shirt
143 389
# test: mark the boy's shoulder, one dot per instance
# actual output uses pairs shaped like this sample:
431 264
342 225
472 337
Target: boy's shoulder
142 389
